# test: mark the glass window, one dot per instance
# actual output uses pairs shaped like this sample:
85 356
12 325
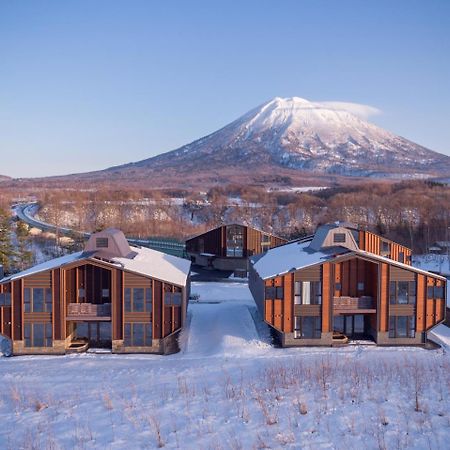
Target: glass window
38 335
306 292
127 293
279 292
235 241
270 293
297 293
339 238
402 292
360 286
148 299
101 242
438 292
27 300
48 300
338 324
38 300
27 334
401 256
105 293
337 286
138 334
307 327
138 299
127 334
81 293
5 299
402 326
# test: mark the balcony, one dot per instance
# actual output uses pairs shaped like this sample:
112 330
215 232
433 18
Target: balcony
88 311
354 305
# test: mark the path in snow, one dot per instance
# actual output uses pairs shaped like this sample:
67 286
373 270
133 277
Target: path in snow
224 328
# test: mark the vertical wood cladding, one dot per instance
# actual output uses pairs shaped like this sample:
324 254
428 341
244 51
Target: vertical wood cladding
384 298
117 284
327 317
17 310
58 309
157 309
373 243
420 302
214 242
288 304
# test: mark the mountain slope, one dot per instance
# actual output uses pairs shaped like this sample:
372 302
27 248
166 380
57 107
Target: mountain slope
289 140
298 134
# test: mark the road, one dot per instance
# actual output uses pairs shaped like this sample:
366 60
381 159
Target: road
25 212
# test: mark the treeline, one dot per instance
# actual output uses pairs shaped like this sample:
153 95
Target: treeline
414 213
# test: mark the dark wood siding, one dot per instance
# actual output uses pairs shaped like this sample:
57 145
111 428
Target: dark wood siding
17 310
58 307
157 309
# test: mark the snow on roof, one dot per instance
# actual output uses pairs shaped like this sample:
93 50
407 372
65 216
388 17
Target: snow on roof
286 258
48 265
145 262
298 255
156 264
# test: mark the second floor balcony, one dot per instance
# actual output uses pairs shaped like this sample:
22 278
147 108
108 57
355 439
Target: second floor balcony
88 311
354 305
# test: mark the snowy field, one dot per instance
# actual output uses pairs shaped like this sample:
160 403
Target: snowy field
228 389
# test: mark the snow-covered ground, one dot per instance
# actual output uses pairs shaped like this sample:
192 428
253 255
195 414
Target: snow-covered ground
228 389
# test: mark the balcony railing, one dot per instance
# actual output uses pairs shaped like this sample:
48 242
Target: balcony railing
347 304
88 311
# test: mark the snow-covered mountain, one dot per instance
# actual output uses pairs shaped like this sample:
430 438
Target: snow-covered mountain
295 133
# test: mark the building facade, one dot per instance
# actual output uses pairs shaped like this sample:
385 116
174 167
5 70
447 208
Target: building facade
345 283
111 295
228 247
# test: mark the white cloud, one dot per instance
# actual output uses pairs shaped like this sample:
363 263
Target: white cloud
362 111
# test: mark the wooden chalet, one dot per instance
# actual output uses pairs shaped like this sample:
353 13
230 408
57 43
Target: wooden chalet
228 247
113 295
343 284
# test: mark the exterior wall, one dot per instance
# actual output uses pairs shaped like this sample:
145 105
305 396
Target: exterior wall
341 278
373 243
214 243
64 283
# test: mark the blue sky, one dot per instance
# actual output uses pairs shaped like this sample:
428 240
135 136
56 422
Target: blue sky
86 85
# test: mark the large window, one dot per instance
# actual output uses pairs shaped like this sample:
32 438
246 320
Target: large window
235 241
38 334
37 300
402 326
101 242
138 334
308 293
402 292
138 299
172 298
435 292
5 299
273 292
307 327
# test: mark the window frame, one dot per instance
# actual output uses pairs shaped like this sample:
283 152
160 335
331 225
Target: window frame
410 327
129 336
29 305
299 327
129 299
29 332
411 293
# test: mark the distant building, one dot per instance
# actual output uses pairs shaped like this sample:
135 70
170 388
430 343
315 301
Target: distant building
112 295
344 283
440 247
228 247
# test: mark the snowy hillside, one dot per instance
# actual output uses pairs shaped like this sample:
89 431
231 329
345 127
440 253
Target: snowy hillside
228 389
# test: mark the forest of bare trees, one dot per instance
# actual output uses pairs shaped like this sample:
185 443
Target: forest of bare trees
414 213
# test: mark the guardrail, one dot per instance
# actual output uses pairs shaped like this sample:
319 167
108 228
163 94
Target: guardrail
171 247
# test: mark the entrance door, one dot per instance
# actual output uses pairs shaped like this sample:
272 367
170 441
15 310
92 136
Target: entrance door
352 326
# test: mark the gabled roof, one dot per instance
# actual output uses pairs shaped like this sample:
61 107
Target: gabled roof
231 224
289 257
145 261
298 255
